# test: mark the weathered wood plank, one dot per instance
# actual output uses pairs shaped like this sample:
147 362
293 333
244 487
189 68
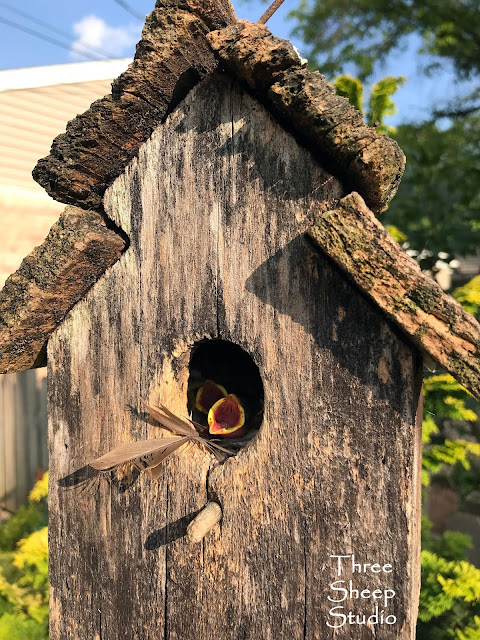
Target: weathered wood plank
215 207
326 122
352 236
2 449
330 471
9 497
58 273
21 428
23 436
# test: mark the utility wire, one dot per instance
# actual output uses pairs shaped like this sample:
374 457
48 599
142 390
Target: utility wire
131 11
42 36
60 32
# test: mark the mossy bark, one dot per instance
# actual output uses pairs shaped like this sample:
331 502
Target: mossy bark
304 102
171 58
352 236
54 277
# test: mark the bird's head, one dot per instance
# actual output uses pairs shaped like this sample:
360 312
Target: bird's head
226 418
208 394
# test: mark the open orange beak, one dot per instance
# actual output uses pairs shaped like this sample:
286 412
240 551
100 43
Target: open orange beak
208 394
227 418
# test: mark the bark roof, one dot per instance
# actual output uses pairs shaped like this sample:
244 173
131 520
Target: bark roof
182 42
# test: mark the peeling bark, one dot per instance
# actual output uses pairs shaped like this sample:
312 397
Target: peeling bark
352 236
54 277
302 100
171 58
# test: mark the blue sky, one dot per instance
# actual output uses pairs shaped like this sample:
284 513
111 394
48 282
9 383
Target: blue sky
104 28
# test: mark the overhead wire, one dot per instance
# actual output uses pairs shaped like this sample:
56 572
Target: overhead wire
130 10
87 50
43 36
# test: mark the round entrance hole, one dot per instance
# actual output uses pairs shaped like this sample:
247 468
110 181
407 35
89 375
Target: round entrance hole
225 392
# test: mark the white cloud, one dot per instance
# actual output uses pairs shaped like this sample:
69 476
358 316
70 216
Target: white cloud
95 35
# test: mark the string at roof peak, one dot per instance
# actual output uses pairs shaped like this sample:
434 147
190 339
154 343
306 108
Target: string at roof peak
270 11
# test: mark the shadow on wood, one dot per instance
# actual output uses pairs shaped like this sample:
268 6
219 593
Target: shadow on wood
170 532
286 280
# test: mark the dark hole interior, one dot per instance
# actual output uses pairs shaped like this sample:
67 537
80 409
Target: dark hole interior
228 365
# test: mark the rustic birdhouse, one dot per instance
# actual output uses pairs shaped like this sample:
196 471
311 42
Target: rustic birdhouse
224 202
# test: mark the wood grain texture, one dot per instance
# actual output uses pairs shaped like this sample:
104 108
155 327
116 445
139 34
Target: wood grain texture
216 206
58 273
305 102
439 325
171 58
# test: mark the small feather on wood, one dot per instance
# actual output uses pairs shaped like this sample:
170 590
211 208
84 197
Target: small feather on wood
149 454
156 470
131 451
170 421
184 427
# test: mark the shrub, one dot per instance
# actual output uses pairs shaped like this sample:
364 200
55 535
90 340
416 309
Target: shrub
24 570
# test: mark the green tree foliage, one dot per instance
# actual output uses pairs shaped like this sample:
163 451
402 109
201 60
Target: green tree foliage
352 89
445 399
449 604
380 103
438 201
24 570
469 296
341 32
450 594
449 599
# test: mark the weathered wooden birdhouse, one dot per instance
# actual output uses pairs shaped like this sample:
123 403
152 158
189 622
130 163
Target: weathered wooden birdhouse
224 202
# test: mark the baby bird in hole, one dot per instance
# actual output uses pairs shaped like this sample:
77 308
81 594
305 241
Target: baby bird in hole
228 415
225 412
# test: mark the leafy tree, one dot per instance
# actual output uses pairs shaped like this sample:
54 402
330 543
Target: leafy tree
438 202
341 32
380 103
449 600
450 595
469 296
446 399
